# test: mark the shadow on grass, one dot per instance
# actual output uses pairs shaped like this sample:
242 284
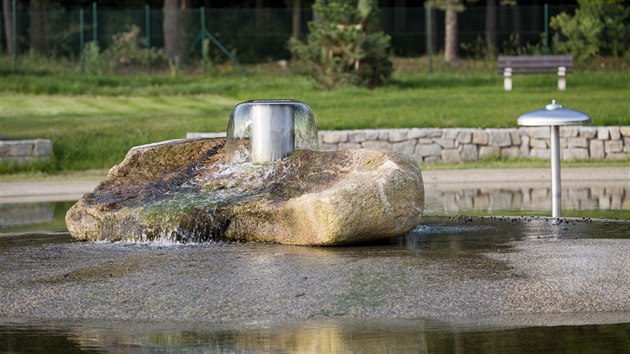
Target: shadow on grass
8 72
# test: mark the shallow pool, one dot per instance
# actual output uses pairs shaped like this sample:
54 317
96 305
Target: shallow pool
455 284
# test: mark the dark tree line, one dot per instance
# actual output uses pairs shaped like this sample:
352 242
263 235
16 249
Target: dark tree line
174 21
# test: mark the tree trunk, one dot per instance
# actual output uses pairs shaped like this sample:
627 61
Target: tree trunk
491 27
8 25
171 30
37 30
450 37
296 20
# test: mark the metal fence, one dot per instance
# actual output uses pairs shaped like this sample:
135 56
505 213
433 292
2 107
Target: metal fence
260 35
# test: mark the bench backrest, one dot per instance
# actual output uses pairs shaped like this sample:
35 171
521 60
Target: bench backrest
534 63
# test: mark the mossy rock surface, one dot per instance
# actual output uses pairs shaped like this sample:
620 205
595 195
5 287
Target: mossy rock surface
188 191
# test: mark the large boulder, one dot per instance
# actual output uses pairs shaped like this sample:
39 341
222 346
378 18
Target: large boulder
189 191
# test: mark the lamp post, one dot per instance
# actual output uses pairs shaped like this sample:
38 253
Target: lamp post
554 115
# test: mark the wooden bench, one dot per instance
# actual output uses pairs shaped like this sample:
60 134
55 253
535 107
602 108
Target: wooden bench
534 64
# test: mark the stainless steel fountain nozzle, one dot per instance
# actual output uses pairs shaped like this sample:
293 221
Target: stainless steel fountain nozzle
271 129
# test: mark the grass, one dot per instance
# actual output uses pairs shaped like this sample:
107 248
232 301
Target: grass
94 120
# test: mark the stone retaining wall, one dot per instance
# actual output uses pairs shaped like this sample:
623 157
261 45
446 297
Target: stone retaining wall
23 151
429 145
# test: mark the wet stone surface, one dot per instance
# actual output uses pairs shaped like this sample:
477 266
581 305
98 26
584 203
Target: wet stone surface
193 191
514 270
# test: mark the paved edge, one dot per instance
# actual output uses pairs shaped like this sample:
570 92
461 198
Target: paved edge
571 174
45 191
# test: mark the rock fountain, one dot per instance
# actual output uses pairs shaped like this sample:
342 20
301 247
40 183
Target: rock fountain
266 182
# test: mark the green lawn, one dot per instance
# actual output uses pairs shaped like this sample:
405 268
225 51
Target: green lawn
94 120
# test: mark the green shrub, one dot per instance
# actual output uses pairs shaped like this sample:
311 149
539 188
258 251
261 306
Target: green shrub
128 49
596 28
513 46
345 44
92 58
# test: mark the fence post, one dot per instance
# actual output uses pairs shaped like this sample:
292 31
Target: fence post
94 24
147 19
428 33
82 39
546 41
14 34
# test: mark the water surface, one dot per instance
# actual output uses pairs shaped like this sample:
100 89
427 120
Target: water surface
323 336
455 284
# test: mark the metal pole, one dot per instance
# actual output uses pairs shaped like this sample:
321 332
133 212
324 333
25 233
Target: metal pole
94 23
556 193
429 34
147 20
14 34
546 39
82 39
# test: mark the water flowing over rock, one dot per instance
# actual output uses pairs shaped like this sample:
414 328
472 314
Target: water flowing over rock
189 191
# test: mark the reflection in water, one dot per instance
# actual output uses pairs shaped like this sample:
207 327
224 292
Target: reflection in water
22 217
613 196
317 336
12 215
442 199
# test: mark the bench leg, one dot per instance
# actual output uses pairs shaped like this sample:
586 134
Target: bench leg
507 79
562 78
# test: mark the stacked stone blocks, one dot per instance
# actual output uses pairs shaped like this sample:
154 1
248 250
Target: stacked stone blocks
24 151
430 145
